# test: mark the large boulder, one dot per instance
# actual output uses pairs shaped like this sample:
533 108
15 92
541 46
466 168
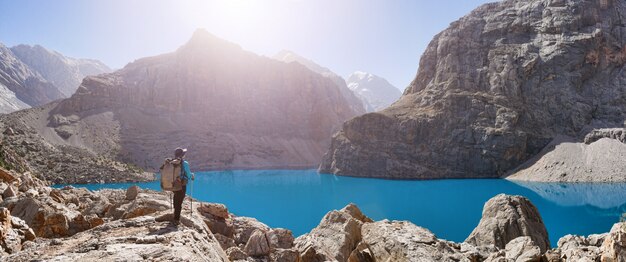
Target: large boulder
403 241
334 238
214 209
13 232
7 176
244 227
9 192
236 254
218 219
132 192
280 238
285 255
258 244
614 247
522 249
506 218
578 248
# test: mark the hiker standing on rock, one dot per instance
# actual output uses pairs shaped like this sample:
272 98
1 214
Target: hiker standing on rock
185 173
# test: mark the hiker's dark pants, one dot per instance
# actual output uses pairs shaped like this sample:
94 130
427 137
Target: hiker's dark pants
179 196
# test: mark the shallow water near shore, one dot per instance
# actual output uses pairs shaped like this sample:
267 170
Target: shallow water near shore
298 199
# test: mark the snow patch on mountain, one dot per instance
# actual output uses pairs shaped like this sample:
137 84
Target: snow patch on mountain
373 90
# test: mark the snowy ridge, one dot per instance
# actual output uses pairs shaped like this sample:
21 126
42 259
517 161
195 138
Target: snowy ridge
372 89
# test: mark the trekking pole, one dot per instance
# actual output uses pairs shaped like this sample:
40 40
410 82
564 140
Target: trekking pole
193 176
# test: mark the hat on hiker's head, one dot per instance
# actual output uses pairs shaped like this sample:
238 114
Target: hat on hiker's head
180 152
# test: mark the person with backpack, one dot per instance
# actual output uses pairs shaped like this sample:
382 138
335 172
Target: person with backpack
185 174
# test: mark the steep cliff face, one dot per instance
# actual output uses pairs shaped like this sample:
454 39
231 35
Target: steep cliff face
355 103
66 73
231 108
492 90
21 87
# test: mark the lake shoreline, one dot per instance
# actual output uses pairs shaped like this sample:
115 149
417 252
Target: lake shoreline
395 199
123 222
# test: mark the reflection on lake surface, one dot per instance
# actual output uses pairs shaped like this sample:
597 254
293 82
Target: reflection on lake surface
600 195
298 199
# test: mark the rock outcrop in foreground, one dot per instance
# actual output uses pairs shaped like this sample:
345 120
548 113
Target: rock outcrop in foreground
70 224
492 90
504 219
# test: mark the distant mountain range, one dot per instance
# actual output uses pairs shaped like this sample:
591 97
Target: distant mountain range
372 92
64 72
34 75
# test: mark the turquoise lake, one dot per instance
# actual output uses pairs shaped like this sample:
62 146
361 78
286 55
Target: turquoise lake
298 199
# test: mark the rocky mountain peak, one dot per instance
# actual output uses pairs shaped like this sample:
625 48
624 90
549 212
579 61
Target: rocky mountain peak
359 76
20 85
63 72
376 91
203 42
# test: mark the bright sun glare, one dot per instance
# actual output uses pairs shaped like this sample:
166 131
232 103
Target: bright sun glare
229 13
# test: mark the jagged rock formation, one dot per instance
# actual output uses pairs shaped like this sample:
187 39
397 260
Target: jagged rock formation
403 241
231 108
335 237
65 73
21 87
358 105
373 90
612 133
579 248
13 232
492 90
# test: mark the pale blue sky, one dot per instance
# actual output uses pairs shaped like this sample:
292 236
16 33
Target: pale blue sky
383 37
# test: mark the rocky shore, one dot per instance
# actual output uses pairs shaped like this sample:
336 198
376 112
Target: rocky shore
40 223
